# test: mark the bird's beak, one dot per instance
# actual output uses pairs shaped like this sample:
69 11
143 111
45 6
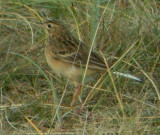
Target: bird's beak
41 24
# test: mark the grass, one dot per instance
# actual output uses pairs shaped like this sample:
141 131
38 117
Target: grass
36 101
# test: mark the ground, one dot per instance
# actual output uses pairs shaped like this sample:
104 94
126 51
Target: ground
34 100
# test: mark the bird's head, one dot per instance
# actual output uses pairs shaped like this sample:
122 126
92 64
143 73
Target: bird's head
55 28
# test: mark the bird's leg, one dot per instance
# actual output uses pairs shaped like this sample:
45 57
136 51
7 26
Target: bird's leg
76 94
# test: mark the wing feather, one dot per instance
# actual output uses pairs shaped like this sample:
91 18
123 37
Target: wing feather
73 51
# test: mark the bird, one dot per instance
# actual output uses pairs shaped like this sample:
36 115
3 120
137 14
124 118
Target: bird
68 56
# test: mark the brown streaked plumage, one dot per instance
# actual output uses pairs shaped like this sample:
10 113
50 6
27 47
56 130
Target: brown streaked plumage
68 56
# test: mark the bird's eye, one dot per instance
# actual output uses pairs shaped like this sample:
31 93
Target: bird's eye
49 25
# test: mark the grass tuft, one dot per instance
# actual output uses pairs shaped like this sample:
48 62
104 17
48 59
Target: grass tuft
34 100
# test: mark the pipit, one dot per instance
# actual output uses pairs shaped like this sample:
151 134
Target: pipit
68 56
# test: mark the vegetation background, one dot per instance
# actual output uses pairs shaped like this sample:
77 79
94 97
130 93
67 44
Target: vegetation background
35 101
